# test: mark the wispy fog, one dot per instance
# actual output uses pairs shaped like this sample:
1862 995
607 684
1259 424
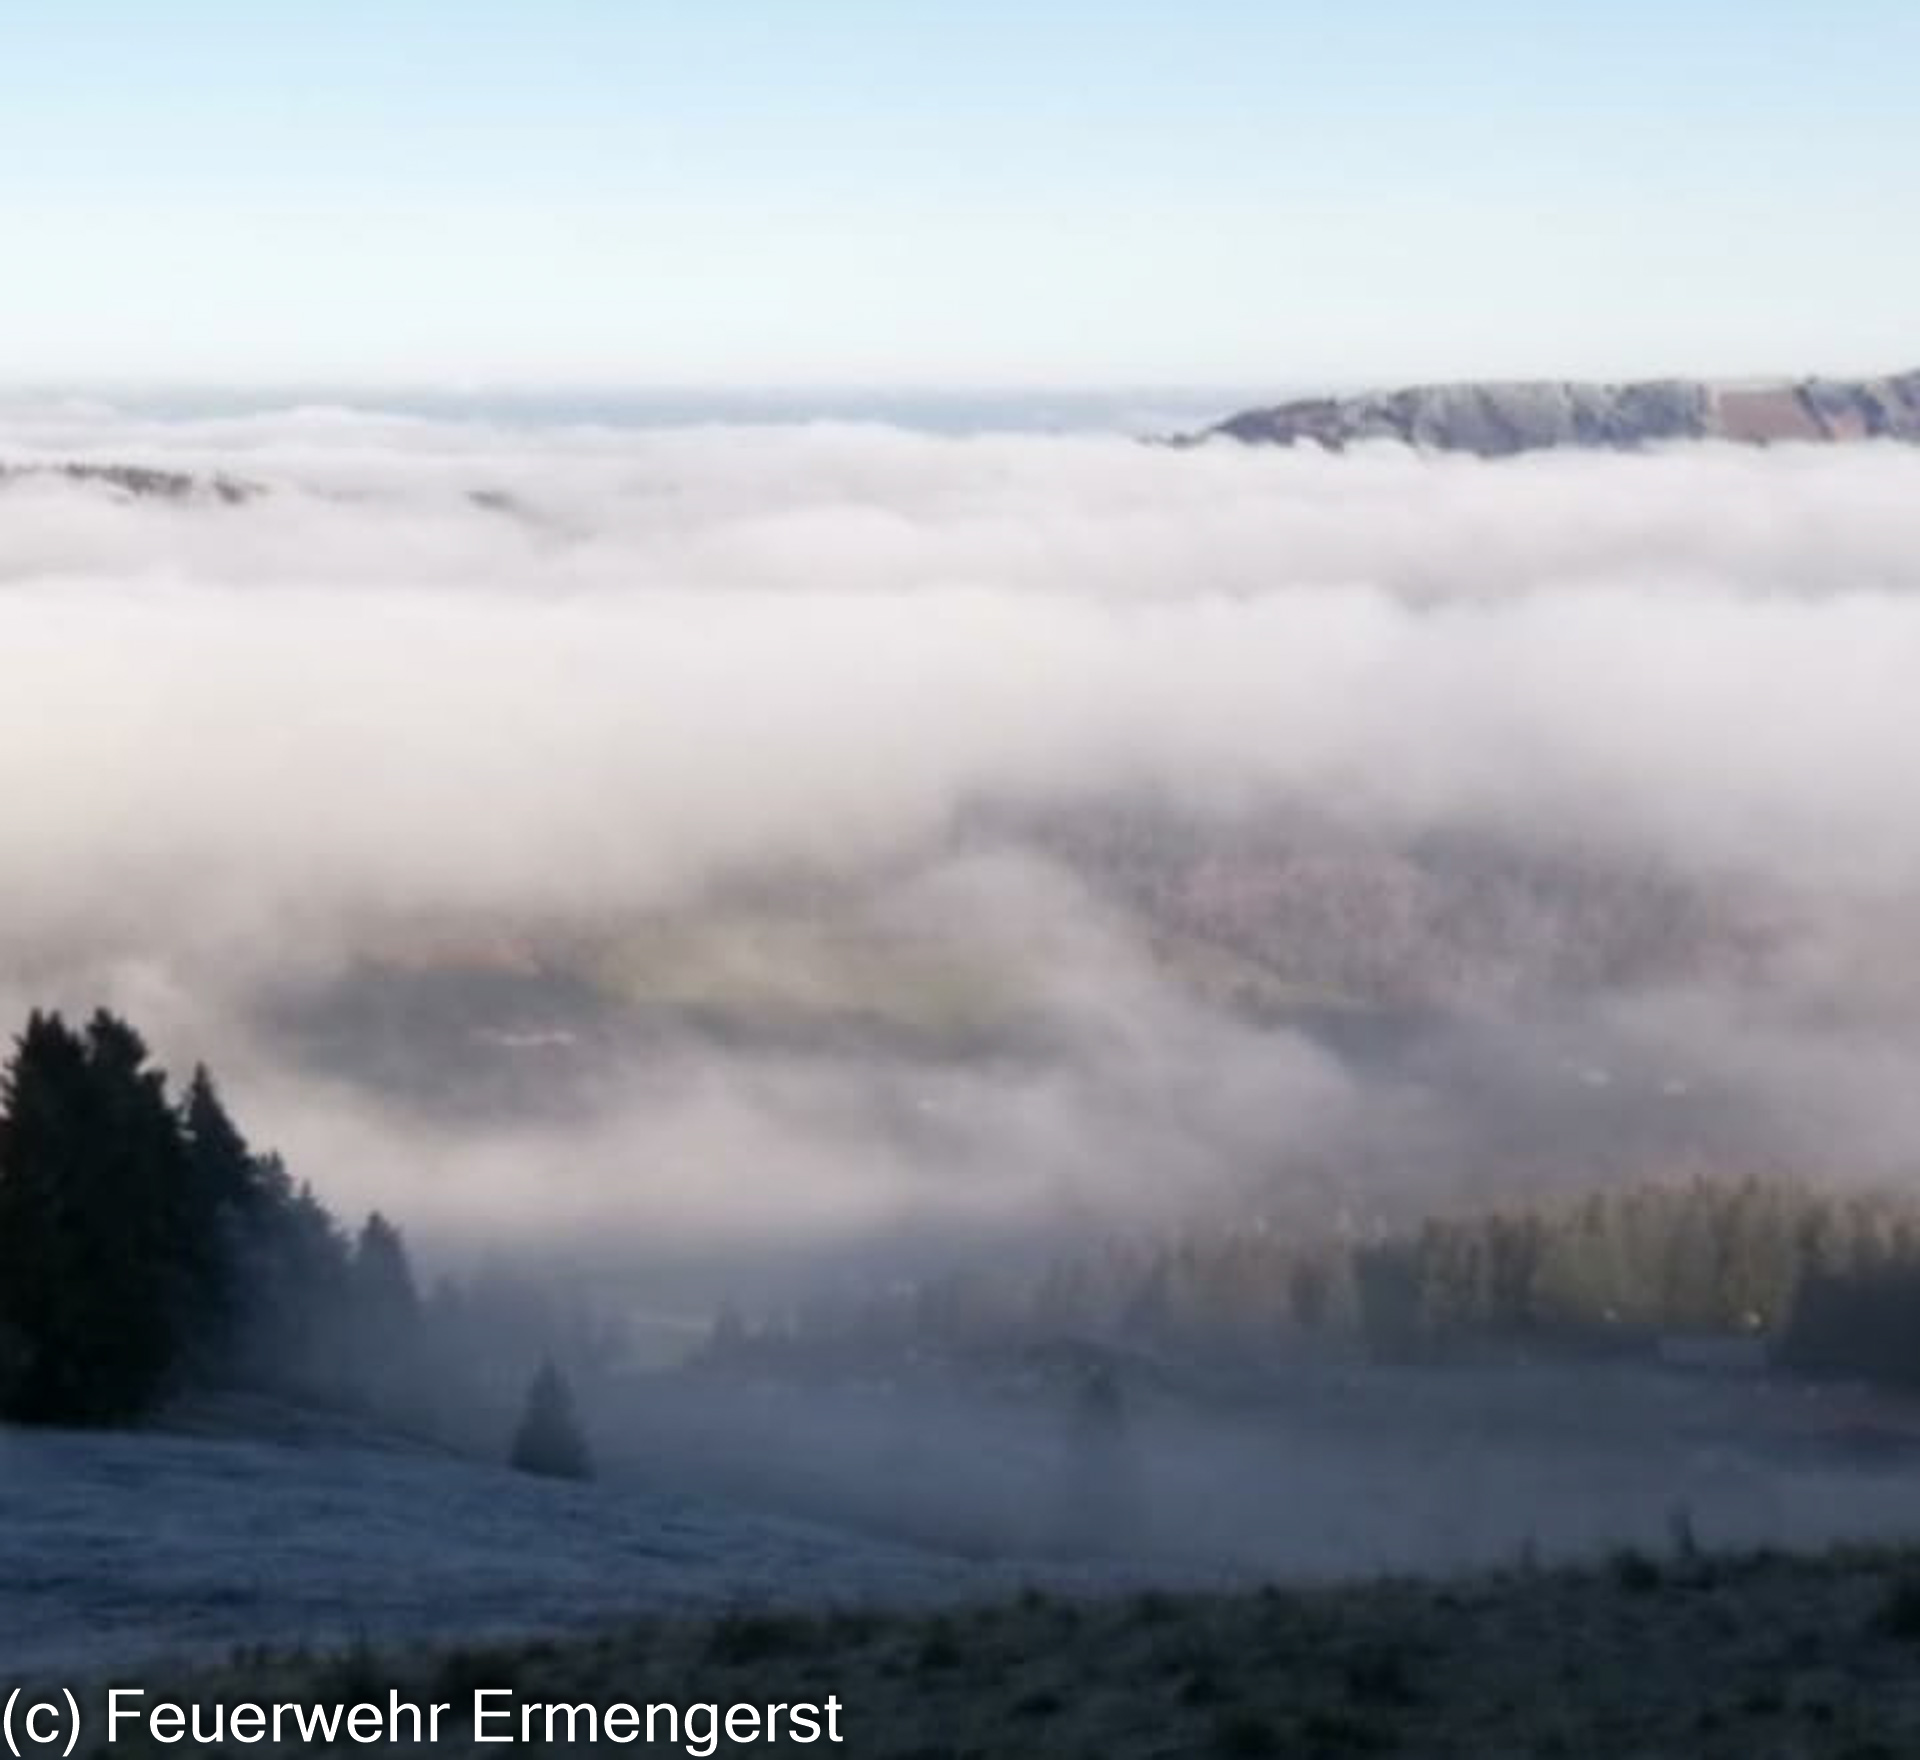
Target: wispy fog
719 839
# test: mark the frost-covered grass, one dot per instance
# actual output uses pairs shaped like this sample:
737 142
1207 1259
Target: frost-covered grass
118 1548
160 1550
1740 1658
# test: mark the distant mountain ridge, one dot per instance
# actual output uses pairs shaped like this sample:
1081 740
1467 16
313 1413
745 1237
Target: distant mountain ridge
1495 420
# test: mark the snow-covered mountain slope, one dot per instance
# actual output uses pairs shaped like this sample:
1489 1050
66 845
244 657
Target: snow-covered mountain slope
1496 419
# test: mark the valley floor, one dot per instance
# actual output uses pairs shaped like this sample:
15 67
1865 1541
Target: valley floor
1745 1658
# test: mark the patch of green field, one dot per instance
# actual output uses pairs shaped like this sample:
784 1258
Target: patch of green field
771 968
778 969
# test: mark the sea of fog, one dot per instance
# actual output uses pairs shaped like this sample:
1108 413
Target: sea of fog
739 845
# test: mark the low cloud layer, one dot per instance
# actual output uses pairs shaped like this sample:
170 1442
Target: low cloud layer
446 699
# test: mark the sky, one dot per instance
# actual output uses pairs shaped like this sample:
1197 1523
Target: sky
893 193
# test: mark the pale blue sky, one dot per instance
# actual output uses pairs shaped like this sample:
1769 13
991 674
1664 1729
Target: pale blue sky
954 192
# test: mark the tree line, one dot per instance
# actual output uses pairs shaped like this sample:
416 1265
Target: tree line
147 1249
144 1245
1829 1280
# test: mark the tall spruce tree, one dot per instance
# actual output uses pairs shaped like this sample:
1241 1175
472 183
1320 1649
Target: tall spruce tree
297 1285
42 1252
224 1195
382 1277
97 1281
549 1440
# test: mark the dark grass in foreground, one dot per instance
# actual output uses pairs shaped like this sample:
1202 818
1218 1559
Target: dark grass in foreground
1695 1656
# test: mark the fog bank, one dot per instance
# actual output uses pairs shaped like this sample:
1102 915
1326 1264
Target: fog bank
798 835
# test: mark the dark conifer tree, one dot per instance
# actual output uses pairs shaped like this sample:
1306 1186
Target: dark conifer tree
226 1197
382 1324
549 1440
299 1289
382 1280
42 1252
222 1164
96 1282
150 1230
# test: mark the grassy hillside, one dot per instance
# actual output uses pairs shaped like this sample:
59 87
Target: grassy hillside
121 1547
1745 1658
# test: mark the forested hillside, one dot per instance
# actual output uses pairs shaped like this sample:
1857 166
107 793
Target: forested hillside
147 1250
1828 1281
